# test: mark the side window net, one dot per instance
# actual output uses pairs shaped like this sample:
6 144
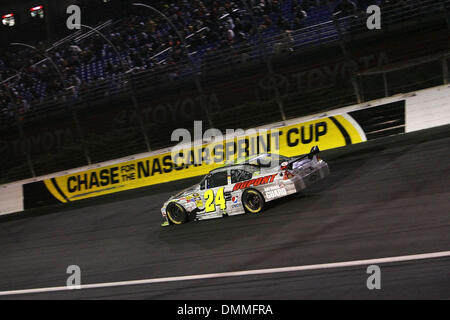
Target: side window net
240 175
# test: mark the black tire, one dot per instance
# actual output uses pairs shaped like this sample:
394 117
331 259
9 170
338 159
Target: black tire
253 201
176 213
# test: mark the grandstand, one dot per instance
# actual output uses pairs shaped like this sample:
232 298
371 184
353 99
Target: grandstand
147 47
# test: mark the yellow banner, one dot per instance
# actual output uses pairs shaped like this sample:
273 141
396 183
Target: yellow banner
293 140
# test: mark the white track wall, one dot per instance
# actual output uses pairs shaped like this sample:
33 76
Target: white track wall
11 198
424 109
429 108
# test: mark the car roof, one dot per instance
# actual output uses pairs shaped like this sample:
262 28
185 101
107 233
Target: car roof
246 160
234 166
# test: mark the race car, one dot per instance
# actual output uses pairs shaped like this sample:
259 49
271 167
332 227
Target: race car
244 186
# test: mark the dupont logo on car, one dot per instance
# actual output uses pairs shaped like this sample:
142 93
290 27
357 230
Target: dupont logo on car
254 182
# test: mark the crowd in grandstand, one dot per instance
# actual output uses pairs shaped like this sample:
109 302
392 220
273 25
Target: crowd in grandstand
207 26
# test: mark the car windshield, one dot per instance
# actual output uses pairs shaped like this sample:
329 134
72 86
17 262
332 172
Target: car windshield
202 182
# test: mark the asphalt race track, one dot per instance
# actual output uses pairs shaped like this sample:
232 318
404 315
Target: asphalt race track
386 198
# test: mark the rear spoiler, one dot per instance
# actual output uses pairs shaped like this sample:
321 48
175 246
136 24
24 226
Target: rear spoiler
314 150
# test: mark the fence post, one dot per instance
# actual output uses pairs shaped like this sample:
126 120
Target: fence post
129 78
22 137
445 69
190 60
386 89
80 132
446 16
69 104
263 48
445 57
20 127
138 111
345 53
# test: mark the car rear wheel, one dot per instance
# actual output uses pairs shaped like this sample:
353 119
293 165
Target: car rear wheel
176 213
253 201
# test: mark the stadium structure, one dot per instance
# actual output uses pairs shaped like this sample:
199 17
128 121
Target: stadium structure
88 112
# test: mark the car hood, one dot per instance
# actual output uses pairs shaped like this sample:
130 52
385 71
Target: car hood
184 192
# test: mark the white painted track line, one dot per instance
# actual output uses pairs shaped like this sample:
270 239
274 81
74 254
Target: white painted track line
236 273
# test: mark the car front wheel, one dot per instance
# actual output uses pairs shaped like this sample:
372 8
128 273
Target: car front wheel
253 201
176 213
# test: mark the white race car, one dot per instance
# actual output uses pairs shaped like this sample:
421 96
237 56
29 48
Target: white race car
244 186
